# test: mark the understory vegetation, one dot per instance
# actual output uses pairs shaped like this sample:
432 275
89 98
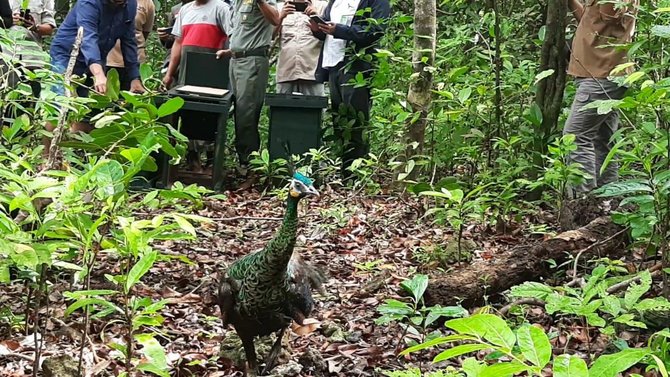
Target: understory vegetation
102 278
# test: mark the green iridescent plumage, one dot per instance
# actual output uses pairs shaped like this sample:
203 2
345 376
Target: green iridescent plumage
263 292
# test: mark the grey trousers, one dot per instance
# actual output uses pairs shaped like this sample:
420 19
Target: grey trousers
306 87
593 131
249 80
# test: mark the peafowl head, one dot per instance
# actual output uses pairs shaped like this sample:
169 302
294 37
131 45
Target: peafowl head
301 187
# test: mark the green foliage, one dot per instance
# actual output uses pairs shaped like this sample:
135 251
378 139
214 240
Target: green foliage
526 350
561 173
414 316
593 303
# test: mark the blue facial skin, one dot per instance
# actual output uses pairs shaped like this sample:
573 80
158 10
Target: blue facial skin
302 179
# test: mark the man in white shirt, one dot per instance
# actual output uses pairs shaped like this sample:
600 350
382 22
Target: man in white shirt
348 34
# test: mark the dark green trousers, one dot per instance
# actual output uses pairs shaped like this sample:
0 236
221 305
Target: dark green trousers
249 79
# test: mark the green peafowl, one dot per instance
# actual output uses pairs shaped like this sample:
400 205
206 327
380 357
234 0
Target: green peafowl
263 292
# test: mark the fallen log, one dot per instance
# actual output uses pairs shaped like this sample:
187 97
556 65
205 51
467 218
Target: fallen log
469 284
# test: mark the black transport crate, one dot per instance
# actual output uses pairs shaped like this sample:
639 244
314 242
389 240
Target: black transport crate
297 119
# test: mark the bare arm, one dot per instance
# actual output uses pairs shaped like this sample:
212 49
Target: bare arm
270 13
175 57
577 9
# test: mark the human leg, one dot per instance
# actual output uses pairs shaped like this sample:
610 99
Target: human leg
249 77
354 112
589 128
603 142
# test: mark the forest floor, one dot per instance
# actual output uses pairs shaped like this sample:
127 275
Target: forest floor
366 245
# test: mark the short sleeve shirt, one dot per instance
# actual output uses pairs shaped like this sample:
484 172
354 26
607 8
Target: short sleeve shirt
41 10
144 23
300 49
250 29
203 25
593 53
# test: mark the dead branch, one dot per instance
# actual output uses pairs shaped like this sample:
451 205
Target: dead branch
58 132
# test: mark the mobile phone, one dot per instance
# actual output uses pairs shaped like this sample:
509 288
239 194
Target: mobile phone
317 19
300 6
166 30
25 14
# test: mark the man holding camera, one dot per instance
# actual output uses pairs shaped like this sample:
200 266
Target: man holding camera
37 19
602 27
253 22
299 53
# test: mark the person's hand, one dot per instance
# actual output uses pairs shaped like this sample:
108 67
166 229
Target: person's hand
310 10
224 54
167 80
136 86
328 28
313 26
162 35
27 22
100 83
287 9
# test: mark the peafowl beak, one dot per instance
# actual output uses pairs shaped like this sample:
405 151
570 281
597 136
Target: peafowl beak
312 192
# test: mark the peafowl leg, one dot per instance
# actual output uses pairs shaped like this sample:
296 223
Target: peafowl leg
250 353
274 352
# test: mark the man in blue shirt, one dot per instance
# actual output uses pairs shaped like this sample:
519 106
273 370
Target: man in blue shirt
104 22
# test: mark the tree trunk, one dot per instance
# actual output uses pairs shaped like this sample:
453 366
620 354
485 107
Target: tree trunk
471 283
549 95
419 95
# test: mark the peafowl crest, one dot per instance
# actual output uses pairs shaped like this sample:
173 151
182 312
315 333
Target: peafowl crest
263 292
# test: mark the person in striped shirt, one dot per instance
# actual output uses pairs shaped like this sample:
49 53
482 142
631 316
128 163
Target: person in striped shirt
202 25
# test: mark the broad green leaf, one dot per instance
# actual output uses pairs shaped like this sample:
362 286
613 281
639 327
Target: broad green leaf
534 345
155 354
170 107
612 365
621 67
393 306
623 188
661 365
437 312
662 31
184 224
543 75
653 303
4 272
459 350
636 290
503 369
633 77
90 301
437 341
570 366
603 106
532 289
416 286
472 367
486 326
464 94
25 256
140 268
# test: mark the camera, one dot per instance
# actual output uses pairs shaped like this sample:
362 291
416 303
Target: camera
300 6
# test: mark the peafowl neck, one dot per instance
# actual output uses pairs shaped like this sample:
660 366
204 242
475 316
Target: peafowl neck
278 252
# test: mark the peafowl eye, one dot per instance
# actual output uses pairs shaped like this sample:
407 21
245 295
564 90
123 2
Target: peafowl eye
302 186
